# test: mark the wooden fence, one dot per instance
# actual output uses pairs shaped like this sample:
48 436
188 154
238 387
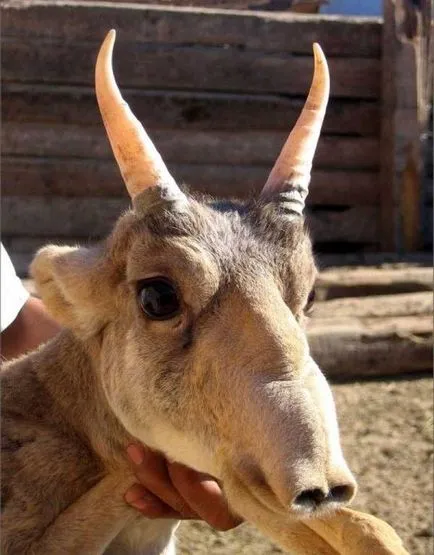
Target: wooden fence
218 92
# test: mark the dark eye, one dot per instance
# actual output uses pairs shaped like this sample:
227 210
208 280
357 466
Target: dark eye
158 299
310 301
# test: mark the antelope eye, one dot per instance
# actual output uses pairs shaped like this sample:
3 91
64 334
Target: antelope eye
310 301
158 299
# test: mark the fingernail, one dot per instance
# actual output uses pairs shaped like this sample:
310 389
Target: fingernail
135 454
140 504
130 497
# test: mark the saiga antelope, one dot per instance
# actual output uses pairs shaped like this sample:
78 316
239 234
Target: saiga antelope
184 331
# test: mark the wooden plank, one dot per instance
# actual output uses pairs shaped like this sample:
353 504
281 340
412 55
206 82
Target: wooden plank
185 67
94 217
401 127
61 217
376 306
298 6
349 349
388 190
355 225
99 178
185 110
272 32
185 146
332 284
408 121
381 259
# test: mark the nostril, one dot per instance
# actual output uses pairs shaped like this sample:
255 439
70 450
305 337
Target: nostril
341 494
310 498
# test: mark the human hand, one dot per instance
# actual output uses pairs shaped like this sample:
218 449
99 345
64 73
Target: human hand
171 490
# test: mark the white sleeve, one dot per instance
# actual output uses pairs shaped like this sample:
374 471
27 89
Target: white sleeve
13 292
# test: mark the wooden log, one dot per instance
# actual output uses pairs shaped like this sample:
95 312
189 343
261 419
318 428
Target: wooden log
187 147
72 177
389 192
184 110
378 306
403 119
297 6
384 259
94 217
333 284
185 67
273 32
62 217
411 108
355 225
348 348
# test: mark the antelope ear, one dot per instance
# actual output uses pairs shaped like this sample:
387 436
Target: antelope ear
74 285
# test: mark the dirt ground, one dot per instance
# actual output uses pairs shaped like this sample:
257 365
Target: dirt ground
387 435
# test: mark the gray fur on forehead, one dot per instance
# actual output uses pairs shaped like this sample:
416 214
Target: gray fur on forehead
231 229
245 240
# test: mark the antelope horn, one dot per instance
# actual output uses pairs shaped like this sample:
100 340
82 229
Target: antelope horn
140 164
291 172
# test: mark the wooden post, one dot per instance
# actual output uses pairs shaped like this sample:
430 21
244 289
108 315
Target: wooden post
404 117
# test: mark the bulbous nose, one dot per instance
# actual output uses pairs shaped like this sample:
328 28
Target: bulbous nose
314 498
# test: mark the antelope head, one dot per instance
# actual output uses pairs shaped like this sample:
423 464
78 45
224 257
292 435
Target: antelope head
198 306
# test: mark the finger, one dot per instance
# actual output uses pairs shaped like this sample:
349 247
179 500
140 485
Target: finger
204 496
148 504
151 471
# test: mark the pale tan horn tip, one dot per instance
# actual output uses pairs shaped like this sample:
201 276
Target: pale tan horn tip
111 36
105 54
318 51
320 62
106 50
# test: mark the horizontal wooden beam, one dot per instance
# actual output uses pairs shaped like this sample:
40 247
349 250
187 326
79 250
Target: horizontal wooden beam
268 32
369 258
185 67
94 217
187 147
348 348
373 306
69 177
335 283
63 104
